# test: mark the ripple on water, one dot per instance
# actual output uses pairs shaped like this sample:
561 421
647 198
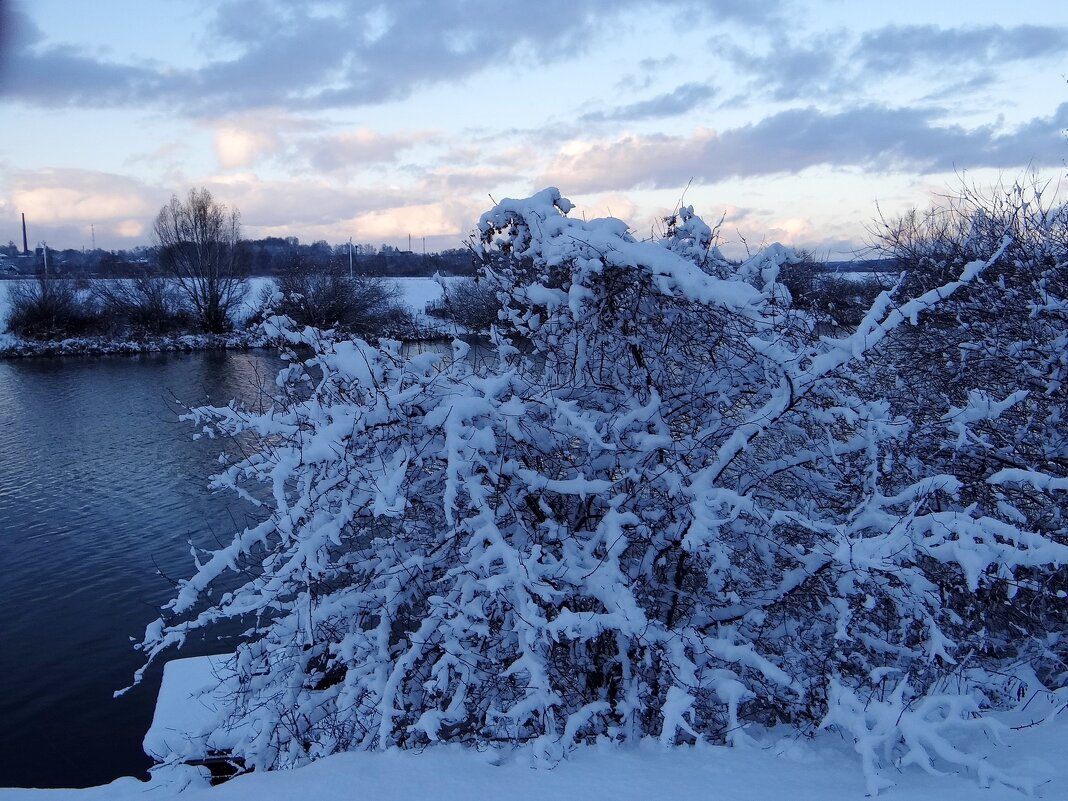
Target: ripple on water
99 485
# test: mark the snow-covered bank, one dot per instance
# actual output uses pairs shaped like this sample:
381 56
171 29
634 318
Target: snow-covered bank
818 770
14 347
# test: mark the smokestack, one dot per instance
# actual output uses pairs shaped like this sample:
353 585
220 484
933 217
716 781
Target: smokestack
25 244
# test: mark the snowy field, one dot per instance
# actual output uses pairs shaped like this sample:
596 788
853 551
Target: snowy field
825 769
5 306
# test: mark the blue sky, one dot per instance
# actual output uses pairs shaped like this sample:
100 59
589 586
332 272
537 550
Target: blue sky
326 120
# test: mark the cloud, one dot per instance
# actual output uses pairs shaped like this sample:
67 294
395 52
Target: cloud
310 56
300 204
130 229
873 137
788 69
906 47
450 181
684 98
352 150
61 75
66 207
241 147
79 196
446 218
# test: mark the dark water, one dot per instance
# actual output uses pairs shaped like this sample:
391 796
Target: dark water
99 485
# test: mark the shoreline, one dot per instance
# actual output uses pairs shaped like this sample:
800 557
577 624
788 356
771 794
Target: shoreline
13 347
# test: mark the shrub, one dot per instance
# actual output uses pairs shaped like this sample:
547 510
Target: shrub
322 295
470 303
146 304
51 308
666 509
835 302
983 381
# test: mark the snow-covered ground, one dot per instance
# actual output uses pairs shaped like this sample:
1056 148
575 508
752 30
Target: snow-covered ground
825 769
781 766
5 305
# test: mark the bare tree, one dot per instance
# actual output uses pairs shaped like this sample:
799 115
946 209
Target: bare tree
199 240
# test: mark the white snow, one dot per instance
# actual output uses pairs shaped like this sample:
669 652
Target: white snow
189 698
5 305
800 770
418 292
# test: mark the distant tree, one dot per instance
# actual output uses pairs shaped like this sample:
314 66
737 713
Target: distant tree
200 245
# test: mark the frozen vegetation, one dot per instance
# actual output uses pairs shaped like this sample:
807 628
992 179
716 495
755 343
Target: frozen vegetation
665 516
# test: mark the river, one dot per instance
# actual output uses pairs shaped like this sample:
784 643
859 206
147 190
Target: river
101 491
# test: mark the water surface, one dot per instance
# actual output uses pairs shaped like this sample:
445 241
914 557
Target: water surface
101 491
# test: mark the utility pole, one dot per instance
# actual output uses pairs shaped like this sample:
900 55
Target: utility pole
25 244
350 258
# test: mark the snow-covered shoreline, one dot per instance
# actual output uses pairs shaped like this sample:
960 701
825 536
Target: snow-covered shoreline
15 347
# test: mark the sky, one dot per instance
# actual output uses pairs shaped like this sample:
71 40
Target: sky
792 121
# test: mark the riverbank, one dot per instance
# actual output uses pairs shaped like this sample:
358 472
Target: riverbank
12 347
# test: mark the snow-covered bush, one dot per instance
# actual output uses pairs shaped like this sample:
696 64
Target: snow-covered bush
665 509
983 380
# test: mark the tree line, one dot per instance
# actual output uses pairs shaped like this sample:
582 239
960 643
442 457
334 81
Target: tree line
269 256
194 279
